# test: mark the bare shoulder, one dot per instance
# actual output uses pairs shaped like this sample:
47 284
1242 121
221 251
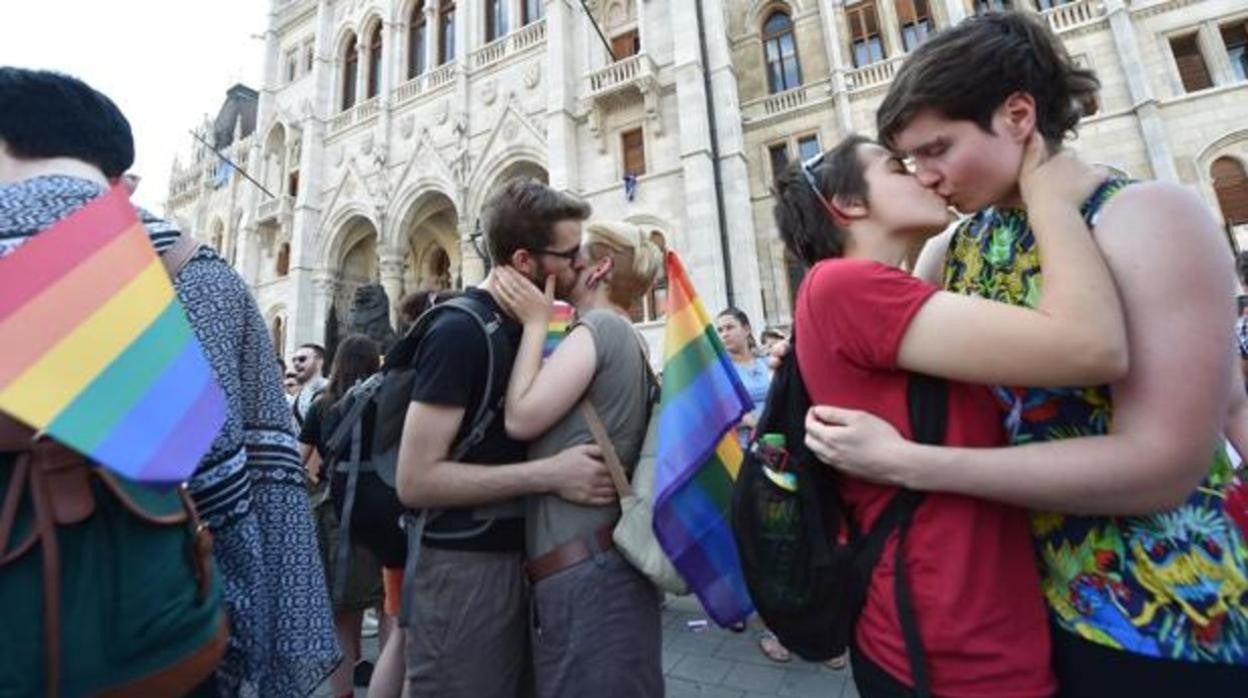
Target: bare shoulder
1156 208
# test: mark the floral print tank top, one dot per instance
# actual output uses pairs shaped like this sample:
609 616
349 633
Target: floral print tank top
1172 584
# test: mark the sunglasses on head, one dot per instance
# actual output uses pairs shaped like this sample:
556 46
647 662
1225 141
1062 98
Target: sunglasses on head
808 173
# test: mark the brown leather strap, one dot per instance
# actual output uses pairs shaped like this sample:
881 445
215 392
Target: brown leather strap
571 553
46 527
177 256
181 677
12 498
609 454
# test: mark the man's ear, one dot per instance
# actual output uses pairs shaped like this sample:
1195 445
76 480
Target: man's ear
523 261
1017 116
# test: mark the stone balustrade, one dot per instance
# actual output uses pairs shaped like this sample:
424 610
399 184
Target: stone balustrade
1072 15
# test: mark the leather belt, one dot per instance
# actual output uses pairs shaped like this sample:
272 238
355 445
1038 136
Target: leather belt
568 554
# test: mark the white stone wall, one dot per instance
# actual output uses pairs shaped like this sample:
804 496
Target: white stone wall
416 163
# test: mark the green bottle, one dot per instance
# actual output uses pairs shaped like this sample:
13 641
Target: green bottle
782 479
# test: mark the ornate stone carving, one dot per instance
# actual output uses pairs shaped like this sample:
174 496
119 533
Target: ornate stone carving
511 129
442 112
370 315
407 126
366 144
489 91
533 74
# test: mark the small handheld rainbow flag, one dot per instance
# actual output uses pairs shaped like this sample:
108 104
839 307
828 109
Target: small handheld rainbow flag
698 455
560 320
98 353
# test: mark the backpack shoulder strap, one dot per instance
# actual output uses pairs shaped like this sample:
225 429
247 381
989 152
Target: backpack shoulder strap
614 466
490 325
179 254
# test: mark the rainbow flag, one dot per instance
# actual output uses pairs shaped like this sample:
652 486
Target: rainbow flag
698 454
560 320
97 351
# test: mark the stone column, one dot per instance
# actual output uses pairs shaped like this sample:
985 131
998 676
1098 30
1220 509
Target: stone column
361 70
562 77
700 243
465 20
956 10
890 28
829 13
433 35
390 273
1214 49
322 290
471 266
1147 112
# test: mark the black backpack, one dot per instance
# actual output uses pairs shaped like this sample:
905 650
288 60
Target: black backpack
806 564
390 391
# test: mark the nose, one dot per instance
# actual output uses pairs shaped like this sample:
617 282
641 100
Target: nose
929 178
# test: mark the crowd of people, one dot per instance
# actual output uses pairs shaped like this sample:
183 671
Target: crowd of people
1072 541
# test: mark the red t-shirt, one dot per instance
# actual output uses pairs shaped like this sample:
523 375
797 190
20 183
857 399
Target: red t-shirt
973 574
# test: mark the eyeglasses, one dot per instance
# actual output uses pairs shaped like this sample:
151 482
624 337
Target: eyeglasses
299 359
808 173
569 255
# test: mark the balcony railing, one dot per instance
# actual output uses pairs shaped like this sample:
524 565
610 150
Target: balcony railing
621 74
354 115
490 53
785 101
528 35
409 89
872 74
513 43
441 76
269 209
1073 15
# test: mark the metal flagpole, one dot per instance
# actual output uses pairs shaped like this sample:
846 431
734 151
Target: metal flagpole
598 29
232 164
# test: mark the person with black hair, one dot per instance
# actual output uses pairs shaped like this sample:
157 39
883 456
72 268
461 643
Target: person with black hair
1145 567
376 540
863 324
62 145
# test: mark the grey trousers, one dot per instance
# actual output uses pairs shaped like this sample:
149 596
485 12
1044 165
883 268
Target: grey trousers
596 632
467 636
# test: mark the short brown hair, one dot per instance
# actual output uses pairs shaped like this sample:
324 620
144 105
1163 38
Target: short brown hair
522 216
967 71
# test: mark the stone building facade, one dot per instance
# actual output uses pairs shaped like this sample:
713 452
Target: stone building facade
381 126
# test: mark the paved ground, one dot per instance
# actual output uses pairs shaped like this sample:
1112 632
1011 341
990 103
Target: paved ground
720 664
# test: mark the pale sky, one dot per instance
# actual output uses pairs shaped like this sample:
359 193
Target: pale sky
165 63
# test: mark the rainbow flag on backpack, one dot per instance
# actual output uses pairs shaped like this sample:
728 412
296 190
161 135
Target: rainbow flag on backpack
698 456
98 353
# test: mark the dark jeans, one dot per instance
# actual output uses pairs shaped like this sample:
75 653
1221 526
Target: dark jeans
1088 670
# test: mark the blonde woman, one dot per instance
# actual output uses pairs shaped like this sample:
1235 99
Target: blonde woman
596 627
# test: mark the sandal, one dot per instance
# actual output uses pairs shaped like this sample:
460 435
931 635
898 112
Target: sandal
772 649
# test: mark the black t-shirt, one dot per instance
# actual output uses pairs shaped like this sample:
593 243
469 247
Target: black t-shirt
321 421
450 371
